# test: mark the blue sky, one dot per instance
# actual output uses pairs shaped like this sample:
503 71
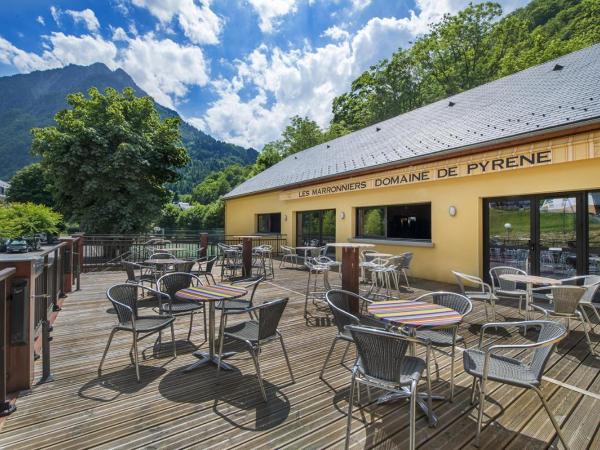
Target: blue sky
237 69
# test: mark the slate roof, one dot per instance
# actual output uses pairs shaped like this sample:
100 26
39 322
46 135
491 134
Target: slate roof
533 100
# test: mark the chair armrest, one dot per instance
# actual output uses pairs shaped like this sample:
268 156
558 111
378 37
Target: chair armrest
505 325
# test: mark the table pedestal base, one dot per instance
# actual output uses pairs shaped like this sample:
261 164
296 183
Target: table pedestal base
206 358
421 402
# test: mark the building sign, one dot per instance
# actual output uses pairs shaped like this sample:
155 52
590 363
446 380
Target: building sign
492 162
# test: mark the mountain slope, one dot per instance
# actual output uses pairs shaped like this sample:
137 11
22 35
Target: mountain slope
31 100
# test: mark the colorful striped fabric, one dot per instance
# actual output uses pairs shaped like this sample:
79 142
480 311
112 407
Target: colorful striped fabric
210 293
414 314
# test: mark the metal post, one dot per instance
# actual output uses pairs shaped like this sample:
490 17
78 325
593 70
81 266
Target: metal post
6 407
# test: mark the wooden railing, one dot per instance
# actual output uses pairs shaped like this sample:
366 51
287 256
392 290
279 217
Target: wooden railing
5 406
106 252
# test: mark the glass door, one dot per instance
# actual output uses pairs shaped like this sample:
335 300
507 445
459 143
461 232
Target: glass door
315 228
557 236
509 224
593 232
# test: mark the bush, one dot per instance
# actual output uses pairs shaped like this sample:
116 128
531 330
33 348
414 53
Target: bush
26 219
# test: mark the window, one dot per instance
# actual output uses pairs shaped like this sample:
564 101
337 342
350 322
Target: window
269 223
395 222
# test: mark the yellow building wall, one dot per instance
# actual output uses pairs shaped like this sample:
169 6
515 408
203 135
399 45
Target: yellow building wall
457 242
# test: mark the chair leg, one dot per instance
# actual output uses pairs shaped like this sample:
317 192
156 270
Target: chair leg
287 360
481 408
327 357
452 372
204 323
112 333
135 358
349 422
473 386
585 322
346 352
413 413
221 340
173 340
429 399
189 336
406 278
254 354
552 419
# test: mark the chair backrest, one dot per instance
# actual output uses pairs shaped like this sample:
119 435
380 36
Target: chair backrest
186 266
406 260
463 279
395 262
269 315
382 354
210 262
172 282
339 304
566 298
162 255
452 300
504 285
287 250
130 270
252 285
550 334
364 255
122 296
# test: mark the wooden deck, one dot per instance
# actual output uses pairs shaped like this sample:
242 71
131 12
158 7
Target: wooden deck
170 409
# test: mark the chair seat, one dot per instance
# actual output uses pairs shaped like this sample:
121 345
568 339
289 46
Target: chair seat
438 338
481 296
233 305
148 323
244 331
371 321
501 368
549 308
412 370
181 307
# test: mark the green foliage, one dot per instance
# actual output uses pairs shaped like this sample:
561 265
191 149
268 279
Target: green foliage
26 219
30 184
464 51
203 217
109 157
218 184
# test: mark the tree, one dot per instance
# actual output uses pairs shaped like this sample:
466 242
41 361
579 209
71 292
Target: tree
169 216
26 219
109 157
30 184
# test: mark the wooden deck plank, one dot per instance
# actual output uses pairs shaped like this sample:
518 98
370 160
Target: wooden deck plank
175 410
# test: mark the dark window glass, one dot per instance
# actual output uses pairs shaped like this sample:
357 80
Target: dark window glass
269 223
395 222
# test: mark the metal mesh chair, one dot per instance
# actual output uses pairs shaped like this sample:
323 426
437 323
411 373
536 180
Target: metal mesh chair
339 306
474 288
507 289
185 267
256 333
239 304
144 274
289 256
206 271
169 284
487 364
404 266
124 299
445 337
231 260
383 363
316 292
263 260
566 301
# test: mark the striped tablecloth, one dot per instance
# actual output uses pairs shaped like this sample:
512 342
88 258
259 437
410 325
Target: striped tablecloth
414 314
210 293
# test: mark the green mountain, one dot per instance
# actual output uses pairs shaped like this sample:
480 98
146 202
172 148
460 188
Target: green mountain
31 100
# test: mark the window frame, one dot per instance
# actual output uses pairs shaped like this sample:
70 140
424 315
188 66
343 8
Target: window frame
360 219
270 222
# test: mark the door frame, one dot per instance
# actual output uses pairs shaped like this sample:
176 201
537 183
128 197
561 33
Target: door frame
581 228
299 222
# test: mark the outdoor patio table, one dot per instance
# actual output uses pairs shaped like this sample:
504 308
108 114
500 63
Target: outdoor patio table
306 249
210 295
351 268
413 315
529 280
247 254
163 264
379 255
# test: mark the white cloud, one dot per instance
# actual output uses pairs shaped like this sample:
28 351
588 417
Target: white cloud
119 34
336 33
86 17
163 68
269 11
198 22
55 12
40 20
357 5
271 84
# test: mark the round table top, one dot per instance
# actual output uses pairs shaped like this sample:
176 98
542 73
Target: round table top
306 247
414 314
164 261
379 255
533 279
350 245
210 293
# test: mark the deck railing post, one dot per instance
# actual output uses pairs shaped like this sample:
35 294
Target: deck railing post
203 245
6 407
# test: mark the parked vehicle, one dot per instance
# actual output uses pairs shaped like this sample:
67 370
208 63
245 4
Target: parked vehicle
3 242
18 245
33 243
